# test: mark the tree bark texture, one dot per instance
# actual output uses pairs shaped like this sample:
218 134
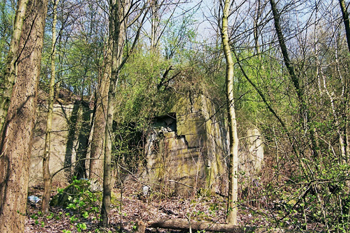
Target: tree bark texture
233 171
16 141
154 23
9 74
257 16
107 168
346 21
117 36
97 142
47 147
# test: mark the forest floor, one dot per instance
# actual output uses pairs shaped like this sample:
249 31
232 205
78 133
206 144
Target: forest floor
131 208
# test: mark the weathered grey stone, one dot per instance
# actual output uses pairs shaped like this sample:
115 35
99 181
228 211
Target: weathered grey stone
256 148
58 144
186 150
251 157
192 156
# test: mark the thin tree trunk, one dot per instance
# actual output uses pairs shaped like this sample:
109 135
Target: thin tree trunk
9 76
300 94
345 15
346 21
295 80
154 23
256 29
118 25
233 184
47 148
97 143
107 171
116 35
17 137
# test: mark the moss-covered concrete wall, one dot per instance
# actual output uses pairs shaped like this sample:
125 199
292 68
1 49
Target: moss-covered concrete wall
58 143
66 126
186 150
251 157
190 155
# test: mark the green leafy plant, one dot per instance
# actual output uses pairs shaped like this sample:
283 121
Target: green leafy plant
78 197
73 219
50 216
81 226
81 202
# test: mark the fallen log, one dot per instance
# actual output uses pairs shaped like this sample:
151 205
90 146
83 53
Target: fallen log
183 224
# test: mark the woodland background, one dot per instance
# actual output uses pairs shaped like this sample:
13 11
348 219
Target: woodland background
126 62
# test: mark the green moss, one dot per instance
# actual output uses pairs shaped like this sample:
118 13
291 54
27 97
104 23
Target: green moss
159 169
115 200
205 192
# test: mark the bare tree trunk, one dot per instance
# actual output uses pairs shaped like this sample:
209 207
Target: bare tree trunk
233 185
47 148
16 141
256 28
118 24
345 15
116 27
107 174
154 23
304 115
9 76
97 143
